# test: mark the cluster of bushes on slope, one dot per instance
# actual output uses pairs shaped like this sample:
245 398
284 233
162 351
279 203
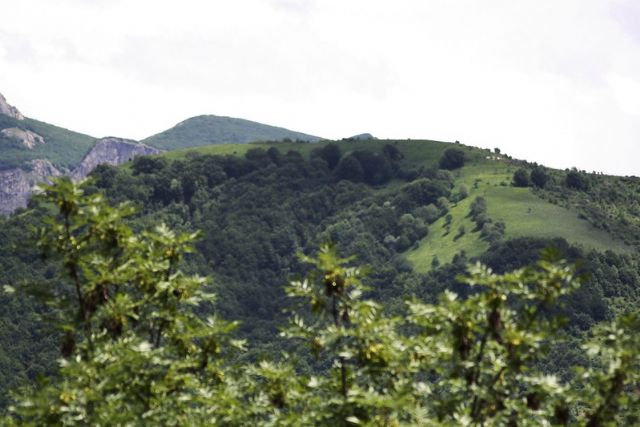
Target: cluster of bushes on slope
489 230
537 177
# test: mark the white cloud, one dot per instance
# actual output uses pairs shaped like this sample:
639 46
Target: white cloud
543 80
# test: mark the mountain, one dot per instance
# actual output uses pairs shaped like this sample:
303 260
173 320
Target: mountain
29 148
9 110
22 141
32 152
361 136
208 130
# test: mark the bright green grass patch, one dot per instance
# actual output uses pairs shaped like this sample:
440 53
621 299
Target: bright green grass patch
527 215
218 149
522 211
445 243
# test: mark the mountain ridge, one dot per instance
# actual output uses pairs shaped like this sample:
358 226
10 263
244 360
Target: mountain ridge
208 129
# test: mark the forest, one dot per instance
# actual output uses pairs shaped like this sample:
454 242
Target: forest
327 318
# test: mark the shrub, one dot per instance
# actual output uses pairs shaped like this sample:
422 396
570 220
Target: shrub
452 158
350 169
577 180
539 177
330 153
521 178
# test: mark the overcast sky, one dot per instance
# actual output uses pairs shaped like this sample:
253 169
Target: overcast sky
553 81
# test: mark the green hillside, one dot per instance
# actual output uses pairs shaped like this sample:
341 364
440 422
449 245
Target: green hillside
62 147
524 213
206 130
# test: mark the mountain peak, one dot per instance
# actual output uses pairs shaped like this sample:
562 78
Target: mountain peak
9 110
210 129
361 137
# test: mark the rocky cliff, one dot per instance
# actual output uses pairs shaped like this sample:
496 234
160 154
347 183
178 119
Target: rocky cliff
9 110
17 185
112 151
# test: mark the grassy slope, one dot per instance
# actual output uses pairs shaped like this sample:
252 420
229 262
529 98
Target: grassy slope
64 148
519 208
206 130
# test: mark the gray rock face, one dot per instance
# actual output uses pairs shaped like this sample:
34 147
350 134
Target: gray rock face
9 110
26 137
112 151
17 185
42 169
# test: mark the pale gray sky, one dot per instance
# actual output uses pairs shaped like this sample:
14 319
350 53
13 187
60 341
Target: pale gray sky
553 81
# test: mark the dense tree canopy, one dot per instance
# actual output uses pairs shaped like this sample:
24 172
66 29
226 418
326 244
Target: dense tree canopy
576 180
539 177
521 178
452 158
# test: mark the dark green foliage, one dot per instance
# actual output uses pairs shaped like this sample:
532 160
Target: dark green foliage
375 167
521 178
28 347
422 192
254 222
539 177
587 306
105 175
411 229
330 153
147 164
428 214
452 158
489 231
478 207
462 194
492 232
350 169
392 153
577 180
